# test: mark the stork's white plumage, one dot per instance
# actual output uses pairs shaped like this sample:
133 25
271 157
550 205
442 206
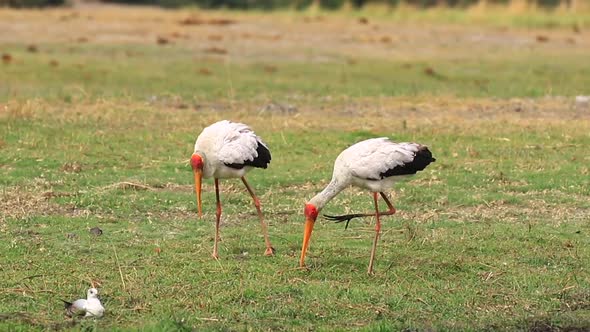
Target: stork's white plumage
229 150
374 164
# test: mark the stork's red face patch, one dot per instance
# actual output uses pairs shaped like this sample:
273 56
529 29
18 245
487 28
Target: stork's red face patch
196 161
311 212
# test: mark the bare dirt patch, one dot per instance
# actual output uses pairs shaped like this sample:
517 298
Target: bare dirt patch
279 37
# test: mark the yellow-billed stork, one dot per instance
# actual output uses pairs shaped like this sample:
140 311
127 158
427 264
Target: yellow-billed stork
375 164
229 150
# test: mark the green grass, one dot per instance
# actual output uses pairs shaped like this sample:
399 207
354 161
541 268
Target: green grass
493 236
447 261
82 72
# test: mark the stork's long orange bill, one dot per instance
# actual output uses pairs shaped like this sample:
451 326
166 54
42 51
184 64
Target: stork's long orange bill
306 236
197 165
198 178
311 214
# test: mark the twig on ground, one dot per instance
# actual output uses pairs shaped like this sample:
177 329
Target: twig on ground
208 319
126 185
119 267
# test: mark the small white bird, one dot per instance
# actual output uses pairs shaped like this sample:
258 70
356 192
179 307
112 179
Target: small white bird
229 150
374 164
89 307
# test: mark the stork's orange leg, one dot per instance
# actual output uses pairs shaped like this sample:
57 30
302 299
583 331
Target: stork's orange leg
217 219
389 205
377 232
269 249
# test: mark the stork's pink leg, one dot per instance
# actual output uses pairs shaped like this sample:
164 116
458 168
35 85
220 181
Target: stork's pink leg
389 205
377 231
269 249
217 219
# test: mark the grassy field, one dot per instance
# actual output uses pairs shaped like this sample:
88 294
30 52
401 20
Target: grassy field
100 107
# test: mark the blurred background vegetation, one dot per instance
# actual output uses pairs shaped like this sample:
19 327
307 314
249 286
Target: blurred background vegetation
325 4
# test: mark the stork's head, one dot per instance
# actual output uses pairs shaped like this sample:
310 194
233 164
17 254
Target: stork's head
311 214
197 165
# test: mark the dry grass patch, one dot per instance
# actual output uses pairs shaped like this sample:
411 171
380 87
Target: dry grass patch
444 113
19 203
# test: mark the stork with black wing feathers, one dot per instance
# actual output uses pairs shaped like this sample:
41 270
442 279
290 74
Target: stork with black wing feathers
229 150
374 164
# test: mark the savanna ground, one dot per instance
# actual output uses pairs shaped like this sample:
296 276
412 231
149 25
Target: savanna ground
100 106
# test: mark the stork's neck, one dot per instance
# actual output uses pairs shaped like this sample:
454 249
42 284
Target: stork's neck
332 189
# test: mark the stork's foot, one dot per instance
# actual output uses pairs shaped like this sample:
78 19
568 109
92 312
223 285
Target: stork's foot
270 251
215 256
304 268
